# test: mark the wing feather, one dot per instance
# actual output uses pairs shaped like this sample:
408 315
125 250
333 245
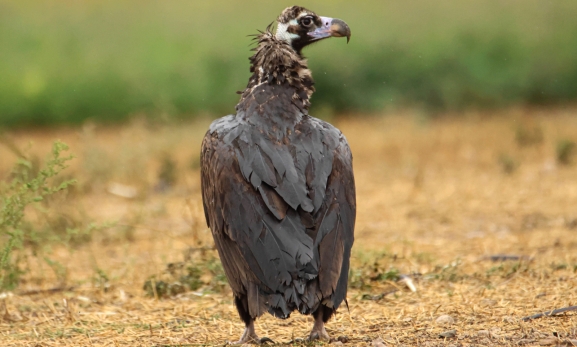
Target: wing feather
280 203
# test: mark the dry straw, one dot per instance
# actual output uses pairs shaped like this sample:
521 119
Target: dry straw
483 247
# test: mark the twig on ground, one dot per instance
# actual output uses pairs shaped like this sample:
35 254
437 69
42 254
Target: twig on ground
506 257
47 291
550 313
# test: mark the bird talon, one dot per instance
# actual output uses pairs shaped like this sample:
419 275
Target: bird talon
319 336
265 340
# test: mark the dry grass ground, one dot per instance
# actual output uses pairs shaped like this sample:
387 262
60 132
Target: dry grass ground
435 198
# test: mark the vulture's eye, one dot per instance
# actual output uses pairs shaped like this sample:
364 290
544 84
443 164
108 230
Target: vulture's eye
306 21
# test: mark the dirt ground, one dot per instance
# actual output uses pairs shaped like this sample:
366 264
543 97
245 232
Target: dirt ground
436 200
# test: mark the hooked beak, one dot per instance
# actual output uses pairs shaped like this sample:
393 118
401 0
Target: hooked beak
332 27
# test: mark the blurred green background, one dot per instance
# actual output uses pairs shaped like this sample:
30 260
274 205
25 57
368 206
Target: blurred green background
66 61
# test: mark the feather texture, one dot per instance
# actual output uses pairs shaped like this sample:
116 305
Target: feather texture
278 192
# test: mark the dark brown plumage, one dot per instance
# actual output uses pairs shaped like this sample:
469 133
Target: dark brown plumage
278 187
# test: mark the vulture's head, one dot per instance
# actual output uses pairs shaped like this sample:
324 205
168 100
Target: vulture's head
300 27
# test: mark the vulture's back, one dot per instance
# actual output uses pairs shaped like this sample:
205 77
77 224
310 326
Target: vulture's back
279 197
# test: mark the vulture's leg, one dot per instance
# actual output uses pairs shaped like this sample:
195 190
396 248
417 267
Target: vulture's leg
249 335
321 315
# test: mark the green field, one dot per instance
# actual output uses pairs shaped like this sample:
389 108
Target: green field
66 61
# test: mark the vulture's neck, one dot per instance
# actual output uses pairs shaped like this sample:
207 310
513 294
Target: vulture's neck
275 62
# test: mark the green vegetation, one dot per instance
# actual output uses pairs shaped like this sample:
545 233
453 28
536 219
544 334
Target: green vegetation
508 163
63 62
204 272
565 151
30 187
37 218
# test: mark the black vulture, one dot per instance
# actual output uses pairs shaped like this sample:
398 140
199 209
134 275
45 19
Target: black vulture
278 187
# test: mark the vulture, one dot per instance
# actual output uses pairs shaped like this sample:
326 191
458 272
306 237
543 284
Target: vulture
277 185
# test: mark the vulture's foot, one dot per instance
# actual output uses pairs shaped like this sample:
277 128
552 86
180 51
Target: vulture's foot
319 335
319 332
254 340
250 336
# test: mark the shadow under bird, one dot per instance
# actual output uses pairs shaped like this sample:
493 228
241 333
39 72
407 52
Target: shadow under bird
278 187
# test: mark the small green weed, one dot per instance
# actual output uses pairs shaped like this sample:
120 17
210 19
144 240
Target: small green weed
33 217
374 268
507 269
508 163
29 187
528 135
450 272
566 151
205 272
101 280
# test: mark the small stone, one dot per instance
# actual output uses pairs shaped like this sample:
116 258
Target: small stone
483 333
378 342
448 334
547 342
445 320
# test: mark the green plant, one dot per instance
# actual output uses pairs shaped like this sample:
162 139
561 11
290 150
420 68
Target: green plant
101 280
372 267
204 272
451 272
565 151
508 163
391 274
528 136
29 188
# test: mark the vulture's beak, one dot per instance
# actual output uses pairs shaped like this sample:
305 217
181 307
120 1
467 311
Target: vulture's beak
332 27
